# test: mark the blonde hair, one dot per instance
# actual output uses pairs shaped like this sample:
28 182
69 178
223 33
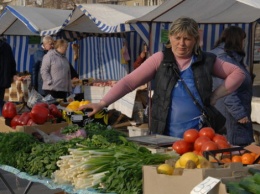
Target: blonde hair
47 39
189 26
59 43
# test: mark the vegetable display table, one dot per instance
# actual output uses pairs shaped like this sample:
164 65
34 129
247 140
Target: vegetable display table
36 179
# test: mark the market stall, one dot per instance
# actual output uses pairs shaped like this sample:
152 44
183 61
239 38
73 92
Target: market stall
255 114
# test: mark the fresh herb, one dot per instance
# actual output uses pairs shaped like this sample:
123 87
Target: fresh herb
112 135
13 144
117 167
70 129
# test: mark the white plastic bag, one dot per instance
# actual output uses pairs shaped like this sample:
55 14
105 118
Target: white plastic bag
34 98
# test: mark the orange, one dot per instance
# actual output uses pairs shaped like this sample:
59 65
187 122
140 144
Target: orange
225 160
247 158
236 158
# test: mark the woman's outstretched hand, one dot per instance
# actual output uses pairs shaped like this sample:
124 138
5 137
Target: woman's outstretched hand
94 107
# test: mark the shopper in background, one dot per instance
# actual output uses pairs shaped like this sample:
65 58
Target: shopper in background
173 110
236 107
141 58
55 71
36 81
7 69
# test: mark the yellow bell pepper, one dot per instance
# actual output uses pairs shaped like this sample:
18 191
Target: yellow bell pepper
84 102
74 105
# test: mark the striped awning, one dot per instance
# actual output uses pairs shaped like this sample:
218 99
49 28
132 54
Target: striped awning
20 20
100 18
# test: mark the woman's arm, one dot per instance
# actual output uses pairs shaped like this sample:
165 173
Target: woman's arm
233 77
138 77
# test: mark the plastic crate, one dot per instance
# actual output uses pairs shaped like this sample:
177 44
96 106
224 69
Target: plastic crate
228 152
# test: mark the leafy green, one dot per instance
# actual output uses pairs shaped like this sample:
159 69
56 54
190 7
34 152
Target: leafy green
70 129
14 144
112 135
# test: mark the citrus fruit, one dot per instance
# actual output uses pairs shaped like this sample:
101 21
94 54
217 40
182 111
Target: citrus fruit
236 158
226 160
188 156
177 164
165 169
247 158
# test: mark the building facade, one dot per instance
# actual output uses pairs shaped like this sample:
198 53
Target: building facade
68 4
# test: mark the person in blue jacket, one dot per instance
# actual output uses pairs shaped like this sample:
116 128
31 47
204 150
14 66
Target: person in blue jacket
236 107
47 44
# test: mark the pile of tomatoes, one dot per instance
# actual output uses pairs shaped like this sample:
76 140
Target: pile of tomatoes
40 113
199 141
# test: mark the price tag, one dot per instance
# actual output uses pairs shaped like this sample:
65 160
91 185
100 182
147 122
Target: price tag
205 186
76 117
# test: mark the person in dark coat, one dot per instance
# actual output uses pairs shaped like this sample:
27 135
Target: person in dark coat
7 69
236 107
173 109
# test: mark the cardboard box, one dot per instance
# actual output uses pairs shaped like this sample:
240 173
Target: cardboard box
47 127
138 130
154 183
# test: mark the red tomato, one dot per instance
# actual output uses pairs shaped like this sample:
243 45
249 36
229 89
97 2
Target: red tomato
39 114
9 110
219 137
199 141
222 144
24 118
207 131
30 122
42 104
207 146
55 111
15 121
191 135
181 146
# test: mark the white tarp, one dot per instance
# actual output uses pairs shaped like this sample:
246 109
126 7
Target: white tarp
205 11
19 20
100 18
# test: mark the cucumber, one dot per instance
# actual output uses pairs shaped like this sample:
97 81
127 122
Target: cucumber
249 184
253 171
257 178
235 188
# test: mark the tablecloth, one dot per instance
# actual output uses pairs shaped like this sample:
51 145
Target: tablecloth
47 182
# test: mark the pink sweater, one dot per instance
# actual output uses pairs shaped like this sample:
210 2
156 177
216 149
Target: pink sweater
232 74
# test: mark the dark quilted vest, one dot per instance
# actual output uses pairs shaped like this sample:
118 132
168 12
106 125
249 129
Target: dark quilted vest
166 79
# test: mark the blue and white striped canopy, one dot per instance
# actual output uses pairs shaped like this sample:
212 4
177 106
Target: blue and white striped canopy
213 16
100 18
19 20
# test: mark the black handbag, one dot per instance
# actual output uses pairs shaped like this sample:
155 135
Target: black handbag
211 116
